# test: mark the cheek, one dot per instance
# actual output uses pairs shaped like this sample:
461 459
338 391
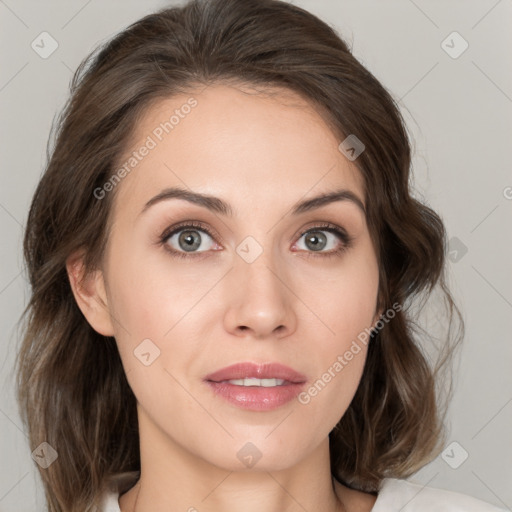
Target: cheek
344 295
155 298
329 396
339 360
343 300
346 304
151 292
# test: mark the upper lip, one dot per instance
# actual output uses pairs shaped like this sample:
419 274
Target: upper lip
257 371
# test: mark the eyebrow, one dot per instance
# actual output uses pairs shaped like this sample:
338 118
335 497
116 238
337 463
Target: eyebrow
217 205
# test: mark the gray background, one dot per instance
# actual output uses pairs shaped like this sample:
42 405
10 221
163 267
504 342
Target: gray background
459 113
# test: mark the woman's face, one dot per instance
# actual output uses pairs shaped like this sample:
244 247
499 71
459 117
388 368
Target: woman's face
254 290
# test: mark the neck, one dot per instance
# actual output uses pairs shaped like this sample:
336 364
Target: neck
174 479
125 505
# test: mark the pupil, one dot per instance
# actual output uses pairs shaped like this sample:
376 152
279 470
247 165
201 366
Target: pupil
188 238
316 241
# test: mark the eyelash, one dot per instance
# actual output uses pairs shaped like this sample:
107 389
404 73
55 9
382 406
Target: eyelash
331 228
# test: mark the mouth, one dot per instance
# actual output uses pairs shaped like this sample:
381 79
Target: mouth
252 374
256 387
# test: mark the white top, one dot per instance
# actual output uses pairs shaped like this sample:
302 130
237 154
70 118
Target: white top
394 496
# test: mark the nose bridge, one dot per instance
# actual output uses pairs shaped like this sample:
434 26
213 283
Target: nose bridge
256 266
259 299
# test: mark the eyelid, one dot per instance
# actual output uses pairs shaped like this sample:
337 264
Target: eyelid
168 232
324 226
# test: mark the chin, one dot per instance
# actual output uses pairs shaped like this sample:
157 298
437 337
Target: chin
258 452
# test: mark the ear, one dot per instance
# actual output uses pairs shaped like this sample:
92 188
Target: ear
90 294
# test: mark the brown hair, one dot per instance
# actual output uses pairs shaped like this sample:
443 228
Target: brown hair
72 389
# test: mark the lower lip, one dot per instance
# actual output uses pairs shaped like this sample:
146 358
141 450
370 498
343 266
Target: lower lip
256 398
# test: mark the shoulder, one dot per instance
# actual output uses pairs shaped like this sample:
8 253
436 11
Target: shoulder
109 502
408 496
118 484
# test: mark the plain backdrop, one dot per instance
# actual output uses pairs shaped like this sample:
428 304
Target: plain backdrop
458 106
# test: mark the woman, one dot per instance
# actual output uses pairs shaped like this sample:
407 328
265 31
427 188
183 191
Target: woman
225 259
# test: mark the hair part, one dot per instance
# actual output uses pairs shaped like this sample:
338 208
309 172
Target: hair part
71 385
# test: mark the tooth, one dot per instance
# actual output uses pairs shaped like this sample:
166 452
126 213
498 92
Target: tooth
268 382
252 382
257 382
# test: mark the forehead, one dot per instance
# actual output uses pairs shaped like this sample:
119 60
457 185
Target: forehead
236 142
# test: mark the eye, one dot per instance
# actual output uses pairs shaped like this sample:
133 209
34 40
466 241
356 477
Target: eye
194 239
317 238
188 240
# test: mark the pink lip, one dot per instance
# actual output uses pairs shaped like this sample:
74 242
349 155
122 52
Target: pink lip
256 398
257 371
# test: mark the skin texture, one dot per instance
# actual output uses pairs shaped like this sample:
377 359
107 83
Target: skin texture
260 154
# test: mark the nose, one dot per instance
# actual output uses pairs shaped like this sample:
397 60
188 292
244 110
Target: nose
260 301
